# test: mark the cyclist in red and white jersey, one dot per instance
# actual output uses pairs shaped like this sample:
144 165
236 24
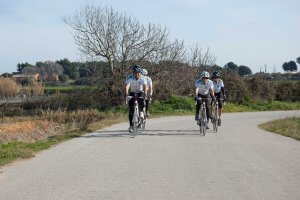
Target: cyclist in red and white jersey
218 89
204 88
137 86
149 89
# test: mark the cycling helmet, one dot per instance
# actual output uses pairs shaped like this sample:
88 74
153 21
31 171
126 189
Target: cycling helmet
216 75
144 72
204 74
136 68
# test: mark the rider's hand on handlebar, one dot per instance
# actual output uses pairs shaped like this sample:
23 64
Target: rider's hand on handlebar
224 97
196 98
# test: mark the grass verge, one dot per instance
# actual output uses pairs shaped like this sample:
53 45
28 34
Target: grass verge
20 150
289 127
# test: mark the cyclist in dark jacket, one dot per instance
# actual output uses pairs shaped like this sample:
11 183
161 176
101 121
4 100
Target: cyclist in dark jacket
219 92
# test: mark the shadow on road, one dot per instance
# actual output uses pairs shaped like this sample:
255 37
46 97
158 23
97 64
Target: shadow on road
121 133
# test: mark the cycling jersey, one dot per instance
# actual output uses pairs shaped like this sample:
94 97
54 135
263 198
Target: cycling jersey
148 79
218 85
136 85
203 87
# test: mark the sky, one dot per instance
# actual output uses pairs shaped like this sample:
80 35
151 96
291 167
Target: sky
255 33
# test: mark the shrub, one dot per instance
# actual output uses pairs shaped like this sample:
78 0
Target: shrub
33 88
9 87
235 88
261 89
287 91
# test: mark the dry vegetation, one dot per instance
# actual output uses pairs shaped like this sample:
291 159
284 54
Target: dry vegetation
52 123
33 88
9 87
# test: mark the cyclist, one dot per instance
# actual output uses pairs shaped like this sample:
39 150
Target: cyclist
149 89
137 86
204 87
218 88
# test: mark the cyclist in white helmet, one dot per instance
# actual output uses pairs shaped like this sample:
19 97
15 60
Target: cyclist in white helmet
204 88
218 89
137 86
149 89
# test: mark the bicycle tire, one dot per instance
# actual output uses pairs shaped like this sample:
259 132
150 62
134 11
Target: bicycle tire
135 123
216 116
204 121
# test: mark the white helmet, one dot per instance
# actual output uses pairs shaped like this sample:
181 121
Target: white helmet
144 72
204 74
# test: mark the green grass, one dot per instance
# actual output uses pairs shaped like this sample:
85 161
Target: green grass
289 127
16 150
186 105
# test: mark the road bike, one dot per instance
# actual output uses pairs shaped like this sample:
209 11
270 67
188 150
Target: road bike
215 116
139 117
202 120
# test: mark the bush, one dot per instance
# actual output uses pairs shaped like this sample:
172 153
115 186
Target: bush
63 78
235 88
9 87
288 91
33 88
261 89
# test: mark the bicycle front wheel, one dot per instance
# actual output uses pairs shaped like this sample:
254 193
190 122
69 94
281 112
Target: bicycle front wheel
135 122
215 124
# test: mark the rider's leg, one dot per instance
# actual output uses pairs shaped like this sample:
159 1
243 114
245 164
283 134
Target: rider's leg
147 106
197 109
220 111
141 104
207 109
220 108
131 111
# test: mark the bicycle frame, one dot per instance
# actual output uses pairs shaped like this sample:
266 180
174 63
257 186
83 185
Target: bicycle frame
139 119
216 116
202 121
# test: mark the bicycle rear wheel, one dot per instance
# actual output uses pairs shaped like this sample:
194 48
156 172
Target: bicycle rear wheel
204 121
135 122
216 112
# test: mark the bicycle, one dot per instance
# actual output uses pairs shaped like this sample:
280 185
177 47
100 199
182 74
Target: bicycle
202 121
139 118
216 115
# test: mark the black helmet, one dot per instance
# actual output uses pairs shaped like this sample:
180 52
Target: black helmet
216 75
136 68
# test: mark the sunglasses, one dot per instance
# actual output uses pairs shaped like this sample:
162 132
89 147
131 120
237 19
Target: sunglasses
204 77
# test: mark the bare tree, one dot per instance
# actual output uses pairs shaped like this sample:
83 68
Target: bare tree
50 67
199 57
108 35
103 34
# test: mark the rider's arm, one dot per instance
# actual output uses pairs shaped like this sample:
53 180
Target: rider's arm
145 88
151 89
127 88
223 90
196 91
212 94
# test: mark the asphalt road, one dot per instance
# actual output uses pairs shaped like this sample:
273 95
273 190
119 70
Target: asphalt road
170 161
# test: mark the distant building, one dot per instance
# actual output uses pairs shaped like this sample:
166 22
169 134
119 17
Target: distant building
49 77
20 77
